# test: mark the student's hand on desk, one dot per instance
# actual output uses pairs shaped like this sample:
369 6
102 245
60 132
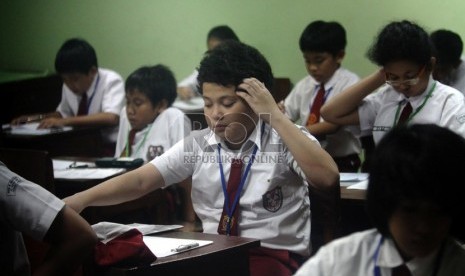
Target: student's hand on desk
27 119
52 122
259 98
185 93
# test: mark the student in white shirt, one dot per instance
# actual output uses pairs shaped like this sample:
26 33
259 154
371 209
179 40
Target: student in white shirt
323 48
404 52
450 67
150 92
279 160
149 126
27 208
76 63
415 201
189 87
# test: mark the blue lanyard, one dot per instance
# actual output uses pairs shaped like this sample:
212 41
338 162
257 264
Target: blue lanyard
376 269
229 211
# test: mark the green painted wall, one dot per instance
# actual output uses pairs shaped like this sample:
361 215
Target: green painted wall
128 34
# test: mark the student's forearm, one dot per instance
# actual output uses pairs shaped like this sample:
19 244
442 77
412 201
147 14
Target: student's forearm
126 187
104 119
71 241
347 102
315 162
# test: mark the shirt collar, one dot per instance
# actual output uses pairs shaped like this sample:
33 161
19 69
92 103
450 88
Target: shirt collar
389 257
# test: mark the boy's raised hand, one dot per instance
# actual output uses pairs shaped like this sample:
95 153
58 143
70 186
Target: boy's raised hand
259 98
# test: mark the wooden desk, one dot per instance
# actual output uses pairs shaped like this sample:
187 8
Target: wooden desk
77 142
226 256
353 194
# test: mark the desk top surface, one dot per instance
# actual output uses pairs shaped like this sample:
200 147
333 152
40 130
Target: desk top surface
221 244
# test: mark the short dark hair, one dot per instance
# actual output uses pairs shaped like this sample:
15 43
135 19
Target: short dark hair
223 33
425 162
448 46
75 56
401 40
321 36
231 62
156 82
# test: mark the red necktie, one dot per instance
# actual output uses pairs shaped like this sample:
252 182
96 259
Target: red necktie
314 116
401 270
82 110
128 149
405 114
233 184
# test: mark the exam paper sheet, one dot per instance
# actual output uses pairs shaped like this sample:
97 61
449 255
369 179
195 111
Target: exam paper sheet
162 247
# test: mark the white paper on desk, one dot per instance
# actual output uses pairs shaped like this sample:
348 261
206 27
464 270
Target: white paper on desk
106 231
31 129
87 173
193 104
161 247
362 185
345 177
65 164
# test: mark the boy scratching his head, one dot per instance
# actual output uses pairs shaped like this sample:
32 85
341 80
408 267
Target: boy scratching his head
323 48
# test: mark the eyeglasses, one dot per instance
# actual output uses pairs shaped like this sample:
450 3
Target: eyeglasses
408 82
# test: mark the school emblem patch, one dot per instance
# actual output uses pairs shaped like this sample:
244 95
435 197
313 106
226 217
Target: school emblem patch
12 184
154 151
273 200
461 118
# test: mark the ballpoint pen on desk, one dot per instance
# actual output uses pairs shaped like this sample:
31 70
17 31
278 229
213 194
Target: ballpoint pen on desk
185 247
75 165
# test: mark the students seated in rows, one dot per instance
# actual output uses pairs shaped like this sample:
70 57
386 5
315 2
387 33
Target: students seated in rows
189 87
323 48
450 67
27 208
404 90
249 145
415 201
91 96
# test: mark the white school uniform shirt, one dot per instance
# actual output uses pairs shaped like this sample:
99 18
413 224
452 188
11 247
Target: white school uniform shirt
105 94
274 203
191 82
169 127
27 208
298 103
354 255
445 107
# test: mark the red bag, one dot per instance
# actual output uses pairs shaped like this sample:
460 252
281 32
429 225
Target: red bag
127 249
